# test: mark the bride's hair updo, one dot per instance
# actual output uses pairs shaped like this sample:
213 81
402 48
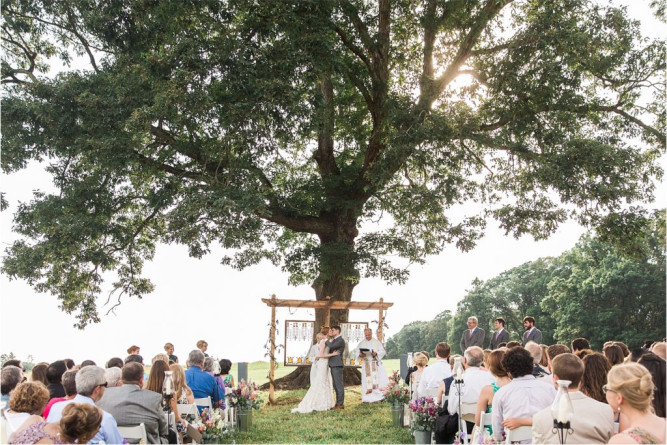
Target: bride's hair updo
634 382
319 337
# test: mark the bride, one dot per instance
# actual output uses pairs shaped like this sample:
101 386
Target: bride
320 394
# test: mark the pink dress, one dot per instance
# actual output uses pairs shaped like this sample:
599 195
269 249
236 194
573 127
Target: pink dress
33 434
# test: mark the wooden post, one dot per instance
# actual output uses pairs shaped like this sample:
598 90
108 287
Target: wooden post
327 316
380 322
272 367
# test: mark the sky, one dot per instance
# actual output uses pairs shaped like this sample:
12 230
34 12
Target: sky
201 299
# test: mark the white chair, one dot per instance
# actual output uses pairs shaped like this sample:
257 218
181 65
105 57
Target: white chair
185 409
205 402
485 419
519 434
135 432
468 411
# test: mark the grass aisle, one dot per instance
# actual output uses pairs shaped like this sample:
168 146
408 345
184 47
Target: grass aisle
357 423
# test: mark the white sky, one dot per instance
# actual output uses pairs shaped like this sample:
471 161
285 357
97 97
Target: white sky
200 299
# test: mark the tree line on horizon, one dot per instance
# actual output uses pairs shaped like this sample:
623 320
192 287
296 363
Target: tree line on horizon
596 290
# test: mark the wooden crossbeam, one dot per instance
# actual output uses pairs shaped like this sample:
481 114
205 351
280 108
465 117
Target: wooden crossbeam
327 304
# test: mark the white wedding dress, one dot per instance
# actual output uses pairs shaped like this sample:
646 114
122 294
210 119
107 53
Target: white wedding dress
320 394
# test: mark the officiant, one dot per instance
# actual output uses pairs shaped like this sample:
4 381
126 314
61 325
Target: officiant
369 353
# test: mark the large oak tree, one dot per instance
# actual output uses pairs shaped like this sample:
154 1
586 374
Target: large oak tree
327 137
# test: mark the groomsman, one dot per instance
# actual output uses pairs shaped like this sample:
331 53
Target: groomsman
501 335
473 336
532 333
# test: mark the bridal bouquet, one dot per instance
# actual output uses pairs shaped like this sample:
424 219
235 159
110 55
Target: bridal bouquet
396 393
424 413
212 427
245 396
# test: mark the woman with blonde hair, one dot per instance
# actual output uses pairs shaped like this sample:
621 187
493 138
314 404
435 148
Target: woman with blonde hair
420 361
629 392
79 424
182 392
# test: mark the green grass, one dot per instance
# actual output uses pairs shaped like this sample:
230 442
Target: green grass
259 371
357 423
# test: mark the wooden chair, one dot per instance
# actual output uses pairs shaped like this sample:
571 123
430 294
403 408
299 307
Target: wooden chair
519 434
133 432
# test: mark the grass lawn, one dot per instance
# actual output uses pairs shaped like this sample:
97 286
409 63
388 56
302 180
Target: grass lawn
357 423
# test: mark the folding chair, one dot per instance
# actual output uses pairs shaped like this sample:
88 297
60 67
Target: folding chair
519 434
133 432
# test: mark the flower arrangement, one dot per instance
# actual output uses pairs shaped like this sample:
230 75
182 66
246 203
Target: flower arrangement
245 396
424 412
396 393
212 426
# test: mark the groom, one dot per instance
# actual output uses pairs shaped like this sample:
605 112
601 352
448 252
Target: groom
336 343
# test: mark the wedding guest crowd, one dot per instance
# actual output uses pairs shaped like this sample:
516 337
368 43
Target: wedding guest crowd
618 395
68 403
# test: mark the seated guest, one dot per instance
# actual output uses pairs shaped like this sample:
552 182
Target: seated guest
182 392
523 396
54 375
201 384
69 363
115 362
155 382
630 391
14 362
133 350
660 349
553 351
212 368
614 354
163 357
512 344
624 347
129 404
436 373
596 367
593 421
225 367
90 387
495 366
113 377
38 373
414 367
474 379
80 422
421 361
11 376
134 358
27 399
536 352
579 344
69 383
87 363
169 349
656 366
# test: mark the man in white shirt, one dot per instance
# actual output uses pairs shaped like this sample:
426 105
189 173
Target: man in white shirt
592 422
373 372
523 396
434 374
474 379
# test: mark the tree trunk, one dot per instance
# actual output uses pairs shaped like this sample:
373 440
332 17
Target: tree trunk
300 379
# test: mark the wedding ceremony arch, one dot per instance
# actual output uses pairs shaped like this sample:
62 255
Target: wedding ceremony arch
327 305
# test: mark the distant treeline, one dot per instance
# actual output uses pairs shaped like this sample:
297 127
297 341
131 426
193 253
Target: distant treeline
596 290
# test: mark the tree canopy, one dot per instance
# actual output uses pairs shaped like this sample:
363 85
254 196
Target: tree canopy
328 137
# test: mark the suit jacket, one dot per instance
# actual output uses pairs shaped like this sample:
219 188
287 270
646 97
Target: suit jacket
477 339
131 405
337 344
503 337
535 335
592 422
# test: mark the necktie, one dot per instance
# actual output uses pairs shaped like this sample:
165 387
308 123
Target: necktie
470 333
497 334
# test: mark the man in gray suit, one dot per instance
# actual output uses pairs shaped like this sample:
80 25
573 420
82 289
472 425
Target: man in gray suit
501 335
473 336
532 333
131 405
336 343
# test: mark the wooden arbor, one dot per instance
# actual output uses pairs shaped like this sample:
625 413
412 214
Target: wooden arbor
328 305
